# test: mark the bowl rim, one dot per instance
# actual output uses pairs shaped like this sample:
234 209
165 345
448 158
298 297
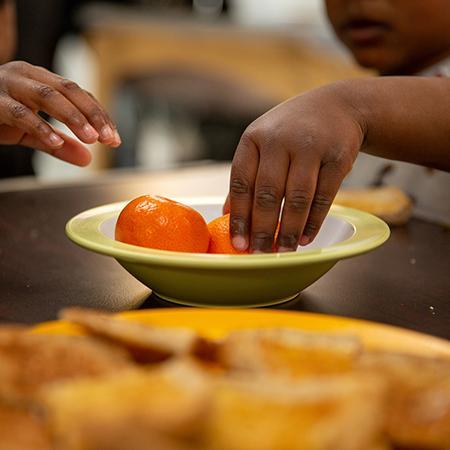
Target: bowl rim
84 229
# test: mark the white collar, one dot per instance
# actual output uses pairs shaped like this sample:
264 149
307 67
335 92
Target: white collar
442 68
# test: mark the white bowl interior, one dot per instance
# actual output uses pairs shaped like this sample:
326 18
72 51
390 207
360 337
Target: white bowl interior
333 230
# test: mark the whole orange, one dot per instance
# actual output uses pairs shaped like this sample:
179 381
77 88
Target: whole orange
220 240
157 222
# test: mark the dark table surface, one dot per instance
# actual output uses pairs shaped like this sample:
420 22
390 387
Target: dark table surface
405 282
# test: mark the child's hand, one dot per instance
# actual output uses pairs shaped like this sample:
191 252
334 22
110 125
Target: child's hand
25 90
300 151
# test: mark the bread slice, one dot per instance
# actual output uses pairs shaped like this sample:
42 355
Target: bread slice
29 361
21 430
166 403
147 344
124 437
387 202
7 332
321 413
290 352
419 408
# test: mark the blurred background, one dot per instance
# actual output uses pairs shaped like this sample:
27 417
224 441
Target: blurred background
182 78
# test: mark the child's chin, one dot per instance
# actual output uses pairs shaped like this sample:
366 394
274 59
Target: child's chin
372 58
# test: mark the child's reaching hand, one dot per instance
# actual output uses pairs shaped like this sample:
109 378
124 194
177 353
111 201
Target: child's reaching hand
26 90
301 150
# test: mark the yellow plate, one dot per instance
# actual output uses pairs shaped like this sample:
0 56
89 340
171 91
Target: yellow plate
215 323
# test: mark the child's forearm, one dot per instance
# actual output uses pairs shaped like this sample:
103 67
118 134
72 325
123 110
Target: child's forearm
293 159
404 118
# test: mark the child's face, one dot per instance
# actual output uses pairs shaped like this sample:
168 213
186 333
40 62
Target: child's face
393 36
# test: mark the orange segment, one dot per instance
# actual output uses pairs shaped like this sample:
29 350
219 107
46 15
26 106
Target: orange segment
160 223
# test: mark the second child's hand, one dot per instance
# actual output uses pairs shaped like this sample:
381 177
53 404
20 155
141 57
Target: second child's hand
26 90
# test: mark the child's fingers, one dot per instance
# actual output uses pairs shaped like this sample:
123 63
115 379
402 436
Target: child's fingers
85 102
80 99
96 115
330 178
16 115
300 189
269 192
71 151
242 181
42 97
109 122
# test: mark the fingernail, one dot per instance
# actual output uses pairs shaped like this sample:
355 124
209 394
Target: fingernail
284 249
55 140
117 139
107 133
305 240
90 132
239 243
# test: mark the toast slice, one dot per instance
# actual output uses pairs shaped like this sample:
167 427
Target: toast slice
166 403
387 202
290 352
29 361
21 430
147 344
419 391
343 412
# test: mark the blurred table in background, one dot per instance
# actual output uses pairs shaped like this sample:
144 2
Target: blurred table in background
405 282
270 63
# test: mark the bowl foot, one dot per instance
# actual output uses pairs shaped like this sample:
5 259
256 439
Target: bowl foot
223 305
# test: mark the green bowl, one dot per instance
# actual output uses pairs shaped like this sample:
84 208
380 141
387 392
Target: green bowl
199 279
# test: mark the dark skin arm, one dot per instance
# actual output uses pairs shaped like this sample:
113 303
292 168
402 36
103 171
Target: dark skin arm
7 30
26 89
301 150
